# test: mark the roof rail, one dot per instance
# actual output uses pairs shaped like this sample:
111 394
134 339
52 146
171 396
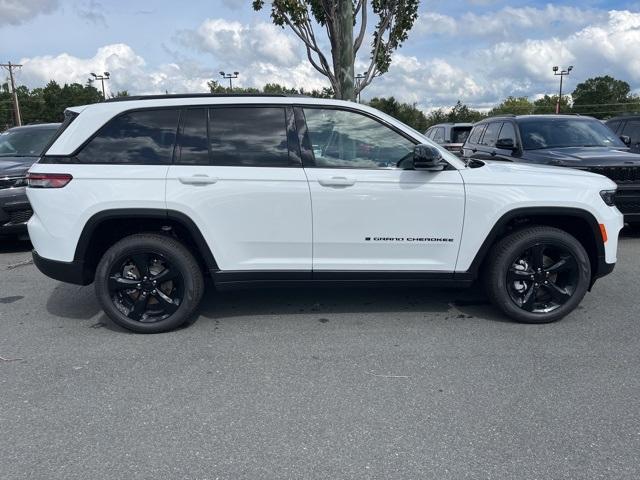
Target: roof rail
192 95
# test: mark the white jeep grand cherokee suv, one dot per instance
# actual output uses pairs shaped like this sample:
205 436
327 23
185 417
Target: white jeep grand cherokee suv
145 195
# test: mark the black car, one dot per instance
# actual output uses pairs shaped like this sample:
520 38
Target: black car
20 147
562 140
628 127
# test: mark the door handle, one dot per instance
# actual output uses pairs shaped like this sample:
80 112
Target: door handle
198 180
337 182
493 153
474 150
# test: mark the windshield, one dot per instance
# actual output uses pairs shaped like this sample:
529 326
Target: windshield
566 132
27 142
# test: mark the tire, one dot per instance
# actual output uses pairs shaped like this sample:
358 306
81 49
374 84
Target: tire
537 275
149 283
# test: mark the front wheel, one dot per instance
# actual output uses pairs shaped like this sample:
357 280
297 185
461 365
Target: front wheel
538 274
149 283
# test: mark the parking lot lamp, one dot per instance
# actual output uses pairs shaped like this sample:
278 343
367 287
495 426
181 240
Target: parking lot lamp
561 73
230 77
102 78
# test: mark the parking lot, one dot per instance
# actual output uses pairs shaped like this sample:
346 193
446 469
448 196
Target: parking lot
326 383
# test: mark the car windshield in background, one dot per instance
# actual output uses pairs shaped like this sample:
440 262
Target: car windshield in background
460 134
566 132
28 142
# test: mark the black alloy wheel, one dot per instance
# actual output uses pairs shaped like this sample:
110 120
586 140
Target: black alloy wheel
149 283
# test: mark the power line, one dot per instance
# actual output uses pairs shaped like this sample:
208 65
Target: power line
16 105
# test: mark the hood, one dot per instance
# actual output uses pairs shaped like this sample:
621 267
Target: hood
583 157
527 174
15 166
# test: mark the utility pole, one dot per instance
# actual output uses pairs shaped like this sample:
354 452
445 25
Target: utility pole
16 105
562 73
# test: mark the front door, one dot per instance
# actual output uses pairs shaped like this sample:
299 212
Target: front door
368 213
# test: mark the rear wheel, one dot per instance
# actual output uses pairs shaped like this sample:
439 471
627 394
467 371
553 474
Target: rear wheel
538 275
149 283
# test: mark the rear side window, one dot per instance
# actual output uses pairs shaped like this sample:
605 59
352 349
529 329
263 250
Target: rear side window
459 134
476 133
491 135
144 137
249 137
613 125
193 144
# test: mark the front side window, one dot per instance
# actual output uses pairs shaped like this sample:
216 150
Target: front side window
632 130
343 139
144 137
249 137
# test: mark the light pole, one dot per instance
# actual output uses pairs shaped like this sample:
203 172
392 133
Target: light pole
359 78
230 77
562 73
102 78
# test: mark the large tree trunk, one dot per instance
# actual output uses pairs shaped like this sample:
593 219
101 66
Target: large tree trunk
343 58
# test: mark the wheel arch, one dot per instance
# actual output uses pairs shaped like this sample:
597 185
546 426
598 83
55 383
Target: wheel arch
575 221
108 226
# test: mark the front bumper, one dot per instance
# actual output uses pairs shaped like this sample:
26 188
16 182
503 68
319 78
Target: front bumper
69 272
15 211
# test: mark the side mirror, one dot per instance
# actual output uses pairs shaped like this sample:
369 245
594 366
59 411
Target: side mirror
426 157
505 144
626 139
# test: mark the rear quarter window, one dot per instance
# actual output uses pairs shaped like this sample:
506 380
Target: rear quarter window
144 137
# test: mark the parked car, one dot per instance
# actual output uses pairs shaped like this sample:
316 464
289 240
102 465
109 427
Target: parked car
628 128
20 147
146 195
562 140
450 135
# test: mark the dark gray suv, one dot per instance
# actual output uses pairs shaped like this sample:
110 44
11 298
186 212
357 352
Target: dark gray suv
20 147
566 141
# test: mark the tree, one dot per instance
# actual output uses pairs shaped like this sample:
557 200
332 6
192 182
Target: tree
513 105
602 96
339 18
405 112
547 104
461 113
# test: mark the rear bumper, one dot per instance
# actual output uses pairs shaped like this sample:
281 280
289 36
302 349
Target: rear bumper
68 272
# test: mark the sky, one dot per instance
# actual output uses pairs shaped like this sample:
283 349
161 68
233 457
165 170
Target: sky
476 51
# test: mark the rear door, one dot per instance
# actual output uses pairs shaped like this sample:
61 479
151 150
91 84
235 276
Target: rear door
238 175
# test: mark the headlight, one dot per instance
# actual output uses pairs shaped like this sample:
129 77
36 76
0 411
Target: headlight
609 197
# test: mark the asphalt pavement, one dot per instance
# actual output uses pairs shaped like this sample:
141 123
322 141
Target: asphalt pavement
418 383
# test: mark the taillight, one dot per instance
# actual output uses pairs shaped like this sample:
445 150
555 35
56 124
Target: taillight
48 180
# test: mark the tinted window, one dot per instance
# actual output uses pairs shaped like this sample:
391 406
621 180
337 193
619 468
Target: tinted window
438 136
143 137
476 133
459 134
249 137
632 129
613 125
25 142
347 139
491 135
508 132
193 142
566 132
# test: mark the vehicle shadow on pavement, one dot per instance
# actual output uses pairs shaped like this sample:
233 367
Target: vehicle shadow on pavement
14 245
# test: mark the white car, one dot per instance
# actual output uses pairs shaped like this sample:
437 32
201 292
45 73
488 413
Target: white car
145 195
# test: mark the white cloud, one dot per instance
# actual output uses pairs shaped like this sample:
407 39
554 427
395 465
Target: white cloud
15 12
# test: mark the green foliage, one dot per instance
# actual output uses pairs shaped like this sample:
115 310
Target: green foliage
513 105
405 112
270 89
603 97
45 104
547 104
